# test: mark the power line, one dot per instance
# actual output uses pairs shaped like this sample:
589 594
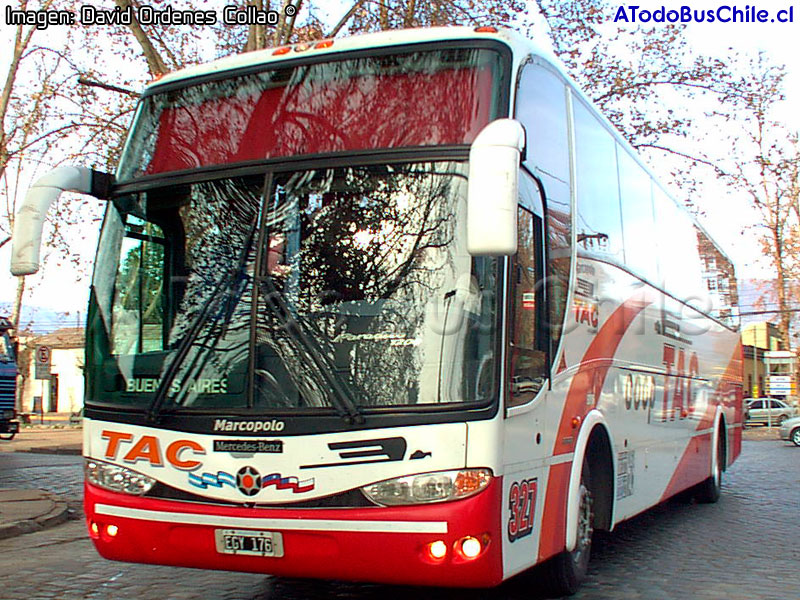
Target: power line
766 312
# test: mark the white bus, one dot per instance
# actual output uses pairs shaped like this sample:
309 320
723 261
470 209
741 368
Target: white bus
401 308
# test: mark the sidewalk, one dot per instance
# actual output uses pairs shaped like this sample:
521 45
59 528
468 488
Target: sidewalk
45 440
26 511
52 419
761 433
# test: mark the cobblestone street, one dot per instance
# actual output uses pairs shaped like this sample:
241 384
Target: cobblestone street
744 547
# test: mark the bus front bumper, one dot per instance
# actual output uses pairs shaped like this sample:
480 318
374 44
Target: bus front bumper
381 545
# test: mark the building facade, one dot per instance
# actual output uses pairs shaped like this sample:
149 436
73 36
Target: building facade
757 339
62 392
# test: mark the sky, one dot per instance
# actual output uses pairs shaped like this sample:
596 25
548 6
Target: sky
64 288
727 216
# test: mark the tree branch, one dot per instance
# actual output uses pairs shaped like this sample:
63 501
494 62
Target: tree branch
106 86
154 61
343 21
697 159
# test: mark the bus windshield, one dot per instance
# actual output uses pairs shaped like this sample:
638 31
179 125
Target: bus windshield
419 98
265 292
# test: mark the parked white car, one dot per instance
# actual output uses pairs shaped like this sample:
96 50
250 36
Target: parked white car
790 430
769 410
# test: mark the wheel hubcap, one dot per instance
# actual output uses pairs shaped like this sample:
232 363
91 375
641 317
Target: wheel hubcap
585 528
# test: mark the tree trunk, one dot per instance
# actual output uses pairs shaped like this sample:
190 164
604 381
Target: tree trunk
15 317
783 305
17 309
154 61
410 10
384 15
257 35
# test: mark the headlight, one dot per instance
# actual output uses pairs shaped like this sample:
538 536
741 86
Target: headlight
428 487
116 478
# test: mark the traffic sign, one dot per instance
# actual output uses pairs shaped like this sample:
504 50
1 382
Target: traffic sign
43 355
780 385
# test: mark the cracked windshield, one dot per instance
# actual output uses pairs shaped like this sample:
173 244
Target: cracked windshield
300 290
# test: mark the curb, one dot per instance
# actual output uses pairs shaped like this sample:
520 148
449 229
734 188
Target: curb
73 451
55 516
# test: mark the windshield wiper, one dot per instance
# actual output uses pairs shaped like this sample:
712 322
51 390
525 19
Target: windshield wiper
342 399
188 340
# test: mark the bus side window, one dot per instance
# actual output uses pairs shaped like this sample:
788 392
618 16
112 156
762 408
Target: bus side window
599 221
528 363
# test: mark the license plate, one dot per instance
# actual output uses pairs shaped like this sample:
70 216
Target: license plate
248 542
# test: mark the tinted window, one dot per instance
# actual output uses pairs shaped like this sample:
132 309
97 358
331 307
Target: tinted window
528 362
318 108
680 266
354 279
541 108
599 220
139 292
638 226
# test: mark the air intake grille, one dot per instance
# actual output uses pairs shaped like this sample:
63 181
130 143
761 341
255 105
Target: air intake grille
7 386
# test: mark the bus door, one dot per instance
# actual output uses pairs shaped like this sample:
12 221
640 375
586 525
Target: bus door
526 371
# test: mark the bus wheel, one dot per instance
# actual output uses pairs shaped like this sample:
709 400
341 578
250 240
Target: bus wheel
564 573
709 490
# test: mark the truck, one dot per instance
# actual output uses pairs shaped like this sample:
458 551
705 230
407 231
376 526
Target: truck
9 426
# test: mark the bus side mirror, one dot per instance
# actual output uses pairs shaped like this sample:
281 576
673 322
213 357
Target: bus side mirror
28 223
494 160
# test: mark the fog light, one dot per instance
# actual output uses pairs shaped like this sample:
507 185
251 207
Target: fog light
113 530
94 530
470 547
437 549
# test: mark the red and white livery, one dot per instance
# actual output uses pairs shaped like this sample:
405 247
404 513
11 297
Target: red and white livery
400 308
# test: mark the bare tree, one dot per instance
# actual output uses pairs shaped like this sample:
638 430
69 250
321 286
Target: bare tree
645 81
22 125
762 163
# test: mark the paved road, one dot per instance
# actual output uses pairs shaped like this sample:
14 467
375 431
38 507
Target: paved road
744 547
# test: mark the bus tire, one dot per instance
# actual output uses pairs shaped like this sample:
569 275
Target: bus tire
564 573
709 491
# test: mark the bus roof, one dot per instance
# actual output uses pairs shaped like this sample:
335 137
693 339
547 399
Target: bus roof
518 43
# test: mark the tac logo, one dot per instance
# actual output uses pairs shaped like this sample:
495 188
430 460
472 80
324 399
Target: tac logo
586 313
248 481
179 454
